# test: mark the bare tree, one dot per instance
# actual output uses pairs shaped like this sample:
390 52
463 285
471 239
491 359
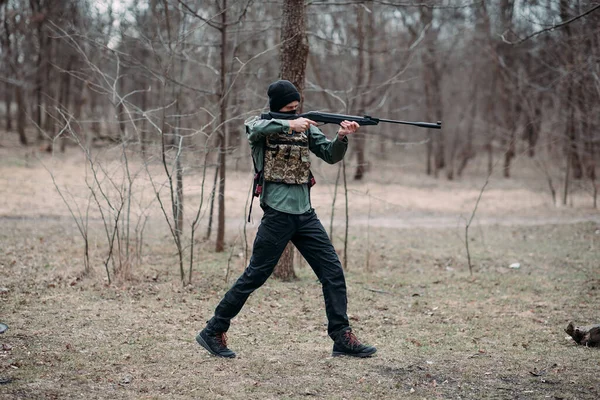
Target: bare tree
220 244
13 58
363 33
432 84
294 56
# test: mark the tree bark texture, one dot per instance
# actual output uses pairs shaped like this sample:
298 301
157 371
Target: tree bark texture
78 102
21 115
51 97
433 99
365 37
8 95
65 99
294 56
294 49
359 137
570 100
510 106
40 66
13 58
284 270
220 244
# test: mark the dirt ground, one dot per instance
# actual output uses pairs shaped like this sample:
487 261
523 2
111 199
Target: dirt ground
440 331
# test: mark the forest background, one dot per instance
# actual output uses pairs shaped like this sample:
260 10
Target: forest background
126 178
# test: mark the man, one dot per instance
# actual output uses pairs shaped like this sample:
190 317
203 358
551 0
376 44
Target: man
280 152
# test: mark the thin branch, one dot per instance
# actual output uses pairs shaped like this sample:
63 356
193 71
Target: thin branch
487 180
389 3
201 18
551 28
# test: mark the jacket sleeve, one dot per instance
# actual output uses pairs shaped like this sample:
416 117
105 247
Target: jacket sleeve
257 129
330 151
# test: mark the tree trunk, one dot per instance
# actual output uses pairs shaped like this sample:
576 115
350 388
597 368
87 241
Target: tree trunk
220 244
570 131
285 267
484 30
21 115
8 95
179 195
13 62
492 123
467 153
51 99
78 101
359 137
452 156
39 77
510 142
294 56
506 66
294 51
50 103
509 154
567 178
591 118
532 133
571 135
431 82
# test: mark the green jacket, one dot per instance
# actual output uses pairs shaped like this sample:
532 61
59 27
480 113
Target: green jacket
292 199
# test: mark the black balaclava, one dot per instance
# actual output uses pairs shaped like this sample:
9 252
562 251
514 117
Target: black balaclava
281 93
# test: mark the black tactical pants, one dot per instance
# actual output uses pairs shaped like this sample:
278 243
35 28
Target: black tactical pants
308 235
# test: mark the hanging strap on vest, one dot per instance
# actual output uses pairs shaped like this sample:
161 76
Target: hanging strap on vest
257 186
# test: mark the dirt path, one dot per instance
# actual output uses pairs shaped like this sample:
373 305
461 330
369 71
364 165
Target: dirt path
411 220
406 220
394 199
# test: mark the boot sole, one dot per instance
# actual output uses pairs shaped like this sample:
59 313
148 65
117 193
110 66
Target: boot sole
359 355
202 343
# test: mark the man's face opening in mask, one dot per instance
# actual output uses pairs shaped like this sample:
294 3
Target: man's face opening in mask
290 108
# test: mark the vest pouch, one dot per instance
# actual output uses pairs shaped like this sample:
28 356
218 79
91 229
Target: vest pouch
287 159
304 156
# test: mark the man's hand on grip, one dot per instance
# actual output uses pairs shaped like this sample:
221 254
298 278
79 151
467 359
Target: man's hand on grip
301 124
347 128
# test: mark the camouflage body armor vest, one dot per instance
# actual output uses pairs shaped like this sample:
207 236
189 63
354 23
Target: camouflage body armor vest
287 159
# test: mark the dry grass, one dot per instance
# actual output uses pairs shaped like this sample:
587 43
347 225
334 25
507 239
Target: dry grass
440 333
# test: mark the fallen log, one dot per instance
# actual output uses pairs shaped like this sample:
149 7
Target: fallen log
586 335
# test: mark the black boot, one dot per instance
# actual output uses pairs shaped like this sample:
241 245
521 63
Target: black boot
347 344
215 343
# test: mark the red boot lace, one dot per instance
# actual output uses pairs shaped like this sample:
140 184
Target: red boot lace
352 339
222 339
